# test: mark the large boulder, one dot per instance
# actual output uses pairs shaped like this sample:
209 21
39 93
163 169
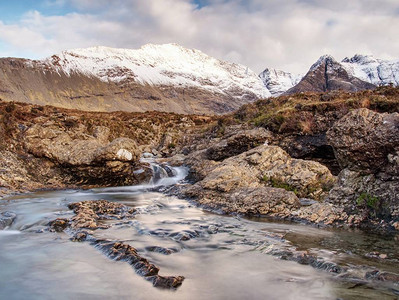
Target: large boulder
264 180
272 166
238 143
263 201
89 159
366 144
367 141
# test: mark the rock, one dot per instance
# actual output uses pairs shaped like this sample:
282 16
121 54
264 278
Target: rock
162 250
367 145
269 165
59 224
238 143
262 181
89 159
89 213
101 133
121 149
252 201
6 219
367 141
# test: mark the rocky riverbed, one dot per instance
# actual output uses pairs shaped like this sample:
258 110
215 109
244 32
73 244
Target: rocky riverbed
235 167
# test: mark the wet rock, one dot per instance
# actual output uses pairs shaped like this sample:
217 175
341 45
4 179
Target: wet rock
238 143
120 251
382 276
167 282
162 250
6 219
89 213
251 201
80 236
59 225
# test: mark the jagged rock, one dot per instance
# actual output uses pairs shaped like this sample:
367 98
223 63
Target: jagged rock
59 224
87 216
274 202
89 213
238 143
121 149
256 182
269 165
6 219
367 145
327 75
367 141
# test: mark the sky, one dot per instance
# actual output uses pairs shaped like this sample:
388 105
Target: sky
285 34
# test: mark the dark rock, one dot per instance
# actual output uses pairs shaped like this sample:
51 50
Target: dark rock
6 219
367 141
314 147
162 250
238 143
142 266
59 225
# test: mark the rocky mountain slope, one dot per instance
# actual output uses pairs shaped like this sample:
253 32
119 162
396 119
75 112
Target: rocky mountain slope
373 70
172 78
277 81
327 75
155 77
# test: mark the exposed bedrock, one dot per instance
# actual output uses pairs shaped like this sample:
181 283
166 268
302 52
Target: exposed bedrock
366 144
89 216
261 181
89 159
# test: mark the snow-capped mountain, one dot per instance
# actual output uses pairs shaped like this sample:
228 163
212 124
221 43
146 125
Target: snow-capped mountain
173 78
277 81
327 74
373 70
161 65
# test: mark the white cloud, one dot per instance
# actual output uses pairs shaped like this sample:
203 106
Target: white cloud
286 34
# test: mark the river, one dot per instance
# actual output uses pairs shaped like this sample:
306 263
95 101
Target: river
221 257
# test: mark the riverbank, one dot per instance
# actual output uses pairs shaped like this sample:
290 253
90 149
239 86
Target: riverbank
326 159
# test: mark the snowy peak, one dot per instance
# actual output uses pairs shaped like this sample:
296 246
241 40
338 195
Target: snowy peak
277 81
373 70
325 59
327 74
360 59
161 65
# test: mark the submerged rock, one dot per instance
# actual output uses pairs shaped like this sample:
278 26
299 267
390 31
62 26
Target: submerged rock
88 215
6 219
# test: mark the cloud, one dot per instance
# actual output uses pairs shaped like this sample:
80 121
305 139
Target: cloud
286 34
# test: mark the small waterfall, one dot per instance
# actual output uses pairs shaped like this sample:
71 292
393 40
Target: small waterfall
163 175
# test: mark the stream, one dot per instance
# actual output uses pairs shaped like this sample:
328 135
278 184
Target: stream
221 257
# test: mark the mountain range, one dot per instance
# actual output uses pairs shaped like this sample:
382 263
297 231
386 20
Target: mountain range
172 78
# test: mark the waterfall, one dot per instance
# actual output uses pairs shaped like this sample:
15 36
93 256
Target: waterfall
162 175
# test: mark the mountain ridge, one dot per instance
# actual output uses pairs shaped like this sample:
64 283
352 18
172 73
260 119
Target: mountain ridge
172 78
